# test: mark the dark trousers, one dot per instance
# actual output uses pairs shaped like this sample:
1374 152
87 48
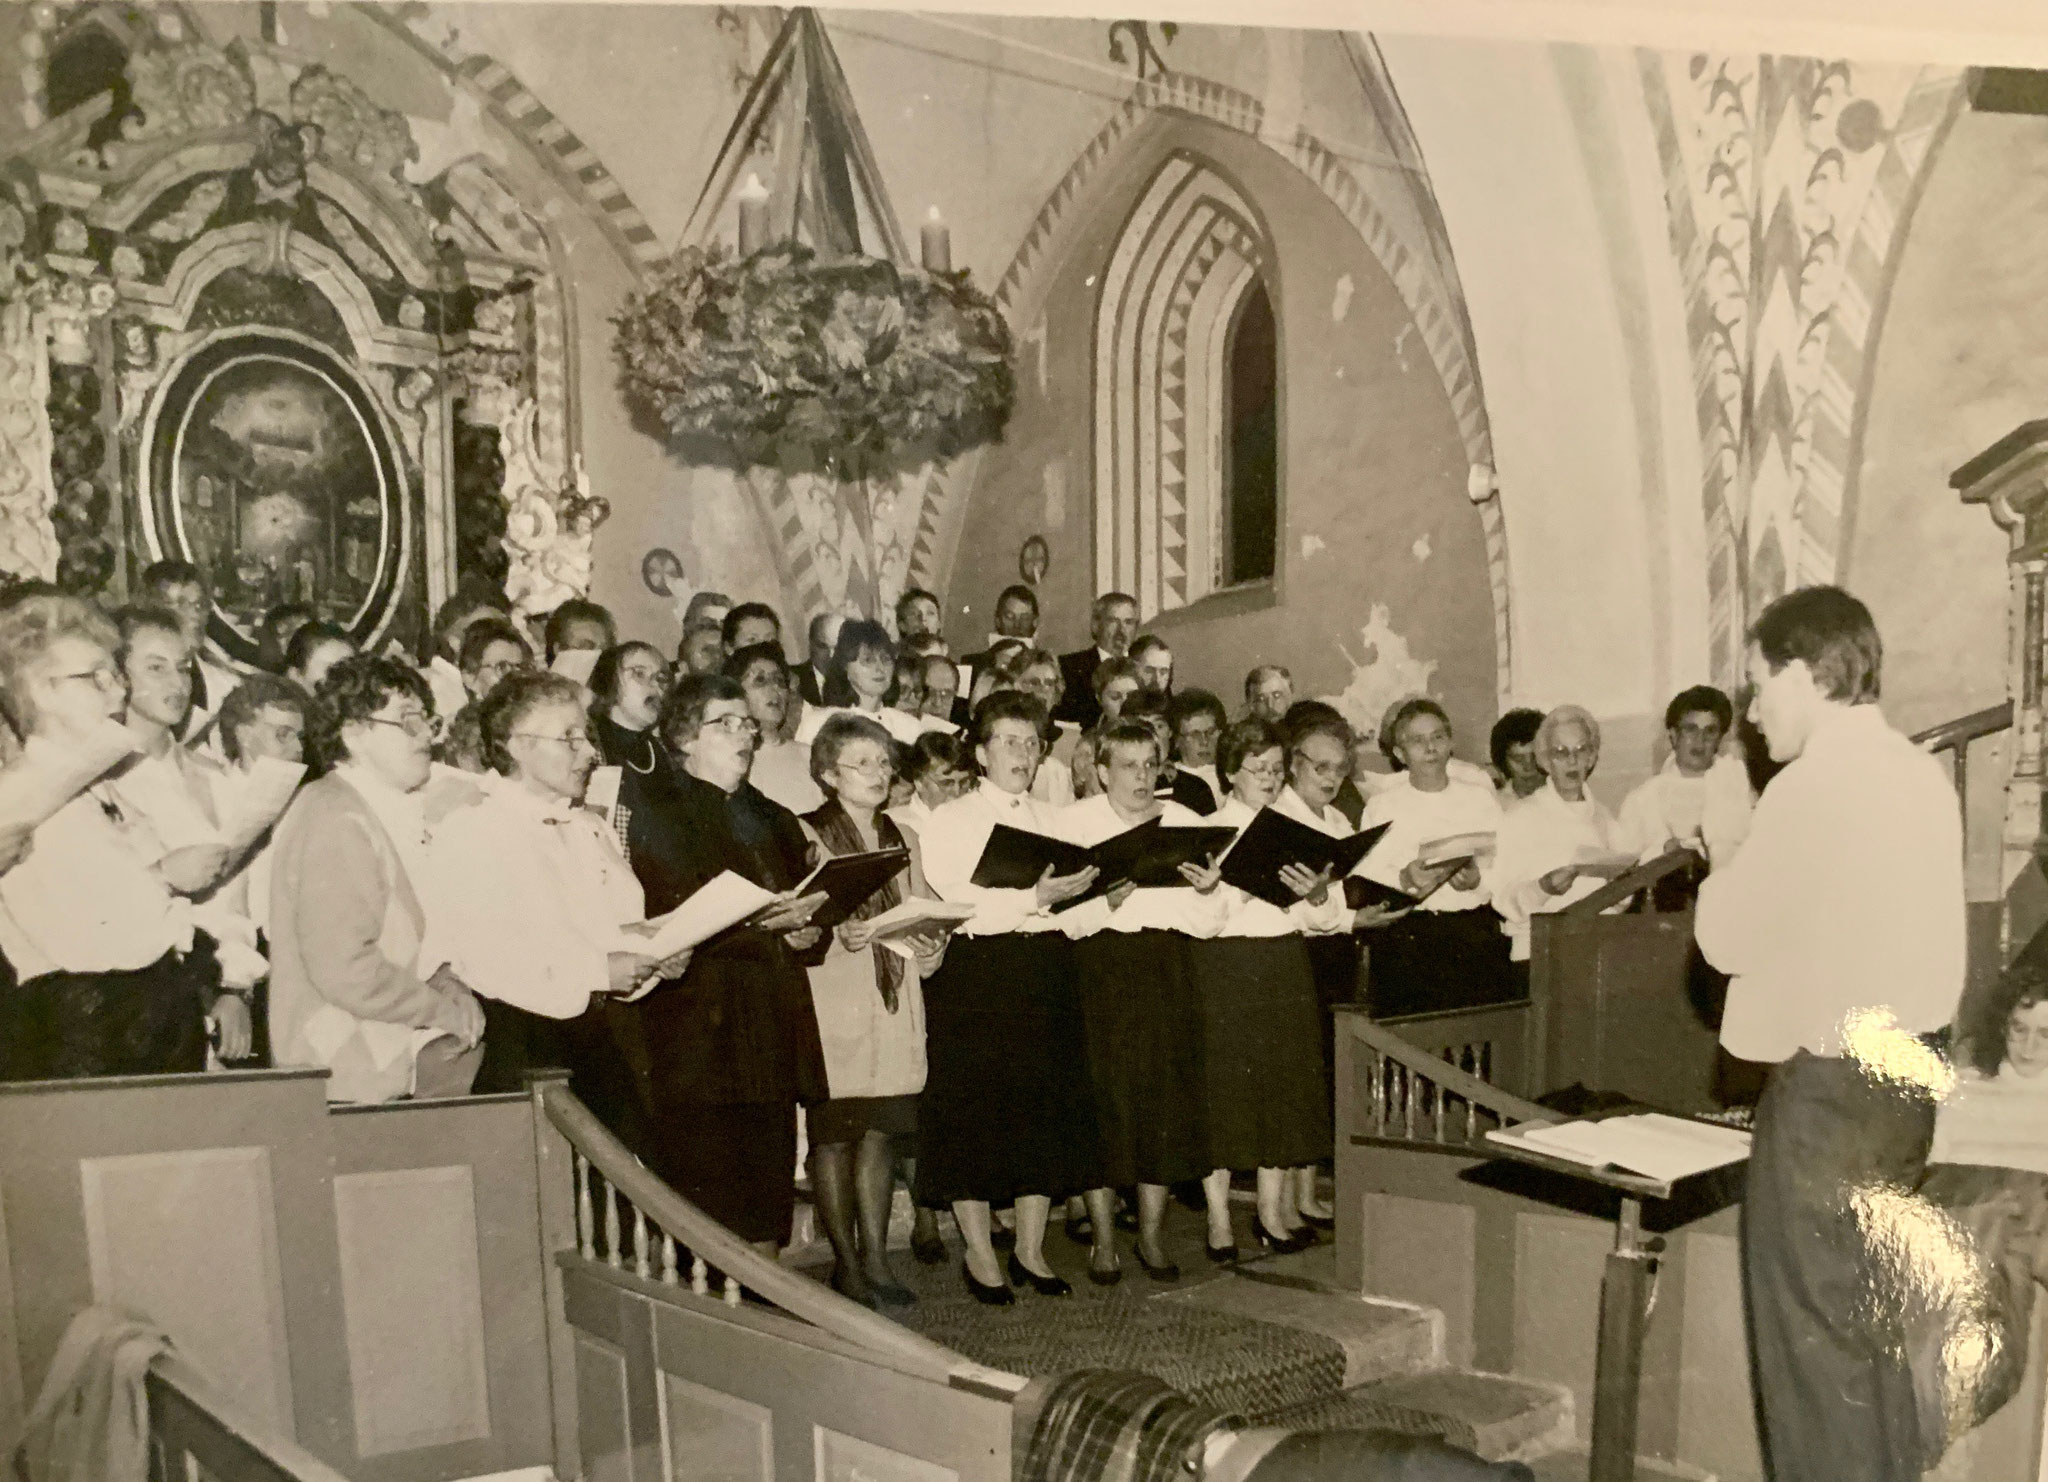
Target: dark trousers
149 1021
517 1041
1834 1395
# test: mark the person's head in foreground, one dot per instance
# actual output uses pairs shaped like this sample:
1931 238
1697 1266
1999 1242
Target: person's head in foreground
1812 653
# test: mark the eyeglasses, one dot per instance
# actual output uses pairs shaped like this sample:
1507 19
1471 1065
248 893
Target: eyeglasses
1323 769
879 767
734 725
1573 753
106 677
1027 745
415 724
658 676
574 740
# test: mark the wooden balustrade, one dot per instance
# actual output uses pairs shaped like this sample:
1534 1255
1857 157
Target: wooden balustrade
196 1435
1409 1094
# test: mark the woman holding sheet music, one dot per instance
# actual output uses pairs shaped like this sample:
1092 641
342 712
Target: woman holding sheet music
731 1045
870 1006
1262 1047
533 900
1447 953
1135 975
1006 1112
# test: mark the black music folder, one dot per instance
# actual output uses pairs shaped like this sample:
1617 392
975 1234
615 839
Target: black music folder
1272 841
850 880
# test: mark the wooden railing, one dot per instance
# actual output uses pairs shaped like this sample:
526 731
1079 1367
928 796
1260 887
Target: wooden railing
630 1220
1407 1094
1956 735
197 1436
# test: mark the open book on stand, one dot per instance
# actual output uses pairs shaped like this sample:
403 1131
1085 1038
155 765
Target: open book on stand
1651 1144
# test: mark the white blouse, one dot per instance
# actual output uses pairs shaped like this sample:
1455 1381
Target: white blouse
1542 835
529 895
1248 916
1416 818
1712 809
900 724
952 842
1183 909
782 774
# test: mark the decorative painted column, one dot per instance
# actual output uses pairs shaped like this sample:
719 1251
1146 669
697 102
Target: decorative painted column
2010 479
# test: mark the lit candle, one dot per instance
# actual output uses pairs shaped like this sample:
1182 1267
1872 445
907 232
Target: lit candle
938 244
753 199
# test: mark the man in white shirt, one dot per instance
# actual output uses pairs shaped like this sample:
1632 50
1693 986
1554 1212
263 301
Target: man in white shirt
1841 925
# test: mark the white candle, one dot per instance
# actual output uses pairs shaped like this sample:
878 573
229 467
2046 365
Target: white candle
938 244
753 199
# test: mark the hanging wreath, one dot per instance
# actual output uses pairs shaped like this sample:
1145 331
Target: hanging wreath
866 363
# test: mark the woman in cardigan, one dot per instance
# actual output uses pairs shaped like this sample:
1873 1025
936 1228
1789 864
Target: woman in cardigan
103 947
349 987
1268 1089
1006 1113
870 1006
536 897
734 1040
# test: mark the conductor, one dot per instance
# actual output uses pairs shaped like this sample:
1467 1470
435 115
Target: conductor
1841 926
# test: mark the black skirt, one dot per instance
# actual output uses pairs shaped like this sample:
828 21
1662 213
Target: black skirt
518 1041
1006 1109
736 1163
147 1021
1144 1055
1268 1086
1429 961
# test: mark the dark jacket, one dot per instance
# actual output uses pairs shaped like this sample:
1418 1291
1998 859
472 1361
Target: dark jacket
1077 699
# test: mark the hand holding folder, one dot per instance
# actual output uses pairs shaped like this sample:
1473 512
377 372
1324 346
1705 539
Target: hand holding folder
849 881
1272 841
1147 855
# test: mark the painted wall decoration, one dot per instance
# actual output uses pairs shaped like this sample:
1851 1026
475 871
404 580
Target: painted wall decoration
1384 672
271 468
1788 182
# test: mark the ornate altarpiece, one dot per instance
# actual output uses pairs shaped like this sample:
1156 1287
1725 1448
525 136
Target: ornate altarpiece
233 331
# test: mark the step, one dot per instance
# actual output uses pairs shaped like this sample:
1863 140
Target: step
1379 1338
1496 1416
1572 1465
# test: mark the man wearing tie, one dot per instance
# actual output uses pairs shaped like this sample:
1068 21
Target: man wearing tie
1841 926
821 638
1113 622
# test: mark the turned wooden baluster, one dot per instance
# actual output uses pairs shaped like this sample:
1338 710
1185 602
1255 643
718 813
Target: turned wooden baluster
1375 1102
732 1292
586 1225
642 1267
668 1259
613 1256
700 1275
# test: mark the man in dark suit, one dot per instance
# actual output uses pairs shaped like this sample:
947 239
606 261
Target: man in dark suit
1113 621
1016 617
821 638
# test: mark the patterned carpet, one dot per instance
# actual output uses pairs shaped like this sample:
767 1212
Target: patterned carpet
1249 1367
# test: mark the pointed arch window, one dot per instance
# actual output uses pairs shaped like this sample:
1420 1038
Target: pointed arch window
1187 385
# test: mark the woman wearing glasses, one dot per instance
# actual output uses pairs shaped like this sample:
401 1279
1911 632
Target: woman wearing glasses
870 1006
858 681
939 770
627 685
1007 1113
534 895
1036 671
1560 845
109 983
733 1041
349 902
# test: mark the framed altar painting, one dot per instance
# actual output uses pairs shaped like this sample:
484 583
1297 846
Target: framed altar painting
270 466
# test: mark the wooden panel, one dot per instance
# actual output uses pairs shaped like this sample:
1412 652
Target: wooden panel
711 1436
604 1412
843 1458
1618 1011
1424 1251
189 1240
1716 1414
1558 1264
413 1303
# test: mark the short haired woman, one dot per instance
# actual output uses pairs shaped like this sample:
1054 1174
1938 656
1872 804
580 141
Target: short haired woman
870 1007
1449 952
1007 1112
1268 1097
1561 844
733 1041
627 685
112 975
858 682
939 768
536 900
349 902
782 766
1036 671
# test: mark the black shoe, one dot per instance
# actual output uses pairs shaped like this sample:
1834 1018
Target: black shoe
988 1296
1045 1286
1285 1245
1003 1238
1319 1222
1081 1231
1106 1278
889 1294
1127 1220
861 1294
930 1250
1222 1255
1167 1272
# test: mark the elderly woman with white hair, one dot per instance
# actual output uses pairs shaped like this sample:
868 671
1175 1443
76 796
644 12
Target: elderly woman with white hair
1561 844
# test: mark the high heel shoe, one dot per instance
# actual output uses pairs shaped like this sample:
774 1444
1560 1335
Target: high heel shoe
889 1294
1222 1255
988 1296
930 1250
1166 1271
1284 1245
1045 1286
1003 1237
1081 1231
1099 1277
1319 1221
